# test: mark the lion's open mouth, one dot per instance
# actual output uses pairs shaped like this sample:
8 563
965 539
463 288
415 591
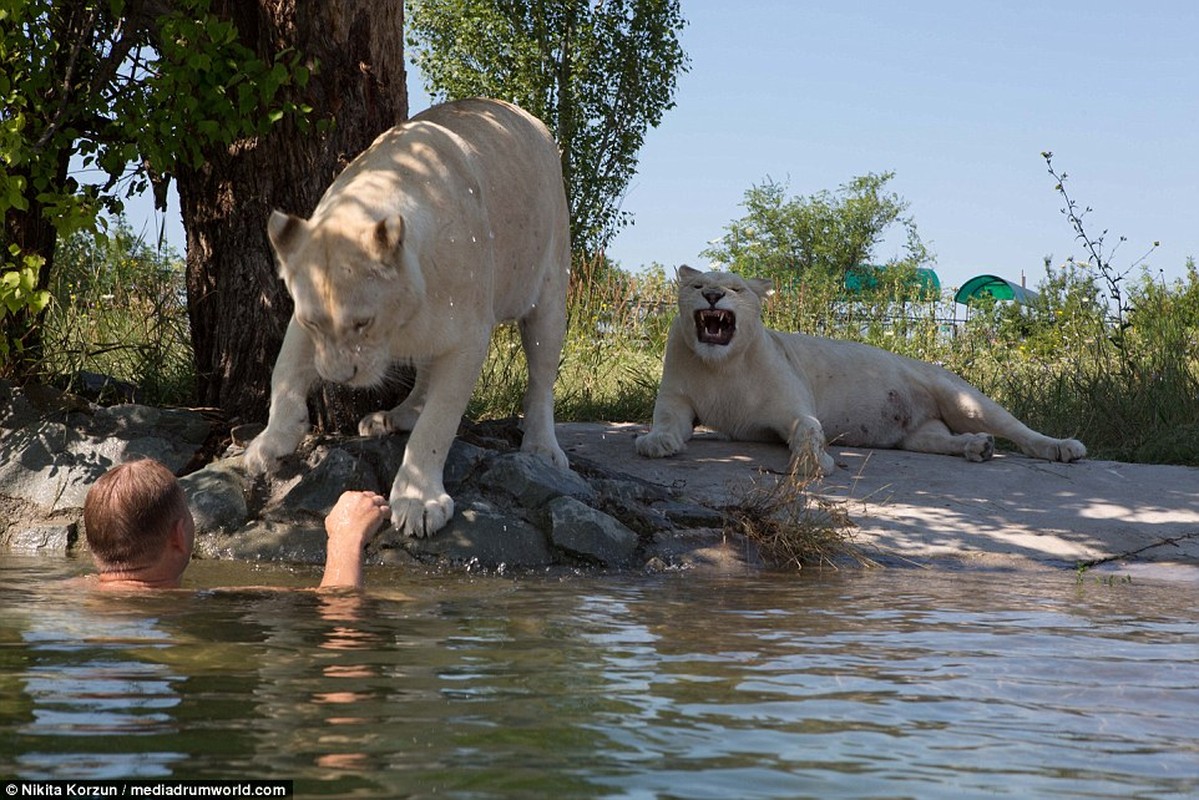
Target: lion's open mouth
715 325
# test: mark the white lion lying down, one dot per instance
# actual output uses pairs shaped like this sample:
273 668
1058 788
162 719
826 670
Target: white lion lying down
726 370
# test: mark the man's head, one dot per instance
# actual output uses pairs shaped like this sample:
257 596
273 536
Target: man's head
137 520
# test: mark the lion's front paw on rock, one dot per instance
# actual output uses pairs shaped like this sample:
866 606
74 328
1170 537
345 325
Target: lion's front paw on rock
658 445
264 452
1071 450
553 455
419 516
379 423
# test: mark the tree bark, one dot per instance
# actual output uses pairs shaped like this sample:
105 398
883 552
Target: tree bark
33 234
237 304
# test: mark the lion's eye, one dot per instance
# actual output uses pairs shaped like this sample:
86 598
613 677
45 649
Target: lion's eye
361 326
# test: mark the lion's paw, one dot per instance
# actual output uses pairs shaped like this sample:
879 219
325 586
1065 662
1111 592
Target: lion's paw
419 516
813 463
264 452
382 423
550 452
979 447
1071 450
658 444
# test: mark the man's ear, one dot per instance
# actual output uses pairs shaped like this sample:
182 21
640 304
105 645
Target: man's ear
177 539
285 232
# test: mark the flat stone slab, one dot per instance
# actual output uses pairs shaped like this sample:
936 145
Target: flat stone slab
926 508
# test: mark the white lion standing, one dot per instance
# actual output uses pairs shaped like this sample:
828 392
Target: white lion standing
725 369
445 226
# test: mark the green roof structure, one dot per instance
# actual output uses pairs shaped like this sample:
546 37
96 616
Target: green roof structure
864 277
993 286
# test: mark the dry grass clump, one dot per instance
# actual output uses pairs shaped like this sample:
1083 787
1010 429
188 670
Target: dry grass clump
794 527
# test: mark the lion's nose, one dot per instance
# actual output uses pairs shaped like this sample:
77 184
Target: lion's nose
713 296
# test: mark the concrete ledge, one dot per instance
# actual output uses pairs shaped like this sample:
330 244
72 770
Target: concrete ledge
923 508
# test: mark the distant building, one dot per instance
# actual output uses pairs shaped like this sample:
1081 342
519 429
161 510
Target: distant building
865 277
994 286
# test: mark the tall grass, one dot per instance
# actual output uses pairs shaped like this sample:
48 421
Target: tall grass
612 357
119 311
1128 390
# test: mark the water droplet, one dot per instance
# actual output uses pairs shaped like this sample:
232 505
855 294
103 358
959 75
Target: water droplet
473 240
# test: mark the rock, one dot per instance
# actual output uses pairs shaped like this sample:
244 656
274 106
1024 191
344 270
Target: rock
55 445
513 509
482 534
45 538
532 481
38 466
708 549
583 531
689 515
216 495
267 541
98 387
461 463
499 522
335 472
628 492
172 436
15 409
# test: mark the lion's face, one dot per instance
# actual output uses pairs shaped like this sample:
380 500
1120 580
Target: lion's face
348 293
719 309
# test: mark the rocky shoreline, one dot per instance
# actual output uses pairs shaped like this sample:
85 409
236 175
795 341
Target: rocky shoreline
513 510
611 511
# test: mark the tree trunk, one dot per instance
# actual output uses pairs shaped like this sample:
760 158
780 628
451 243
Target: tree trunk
237 304
33 234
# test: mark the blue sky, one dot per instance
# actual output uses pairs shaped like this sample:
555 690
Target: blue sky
958 99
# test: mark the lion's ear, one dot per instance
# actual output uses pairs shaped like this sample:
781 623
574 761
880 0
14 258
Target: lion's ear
385 237
284 231
686 273
762 287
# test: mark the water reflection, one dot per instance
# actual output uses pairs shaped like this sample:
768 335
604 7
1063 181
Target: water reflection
850 684
69 682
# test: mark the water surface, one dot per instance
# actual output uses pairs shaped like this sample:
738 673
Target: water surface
858 683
